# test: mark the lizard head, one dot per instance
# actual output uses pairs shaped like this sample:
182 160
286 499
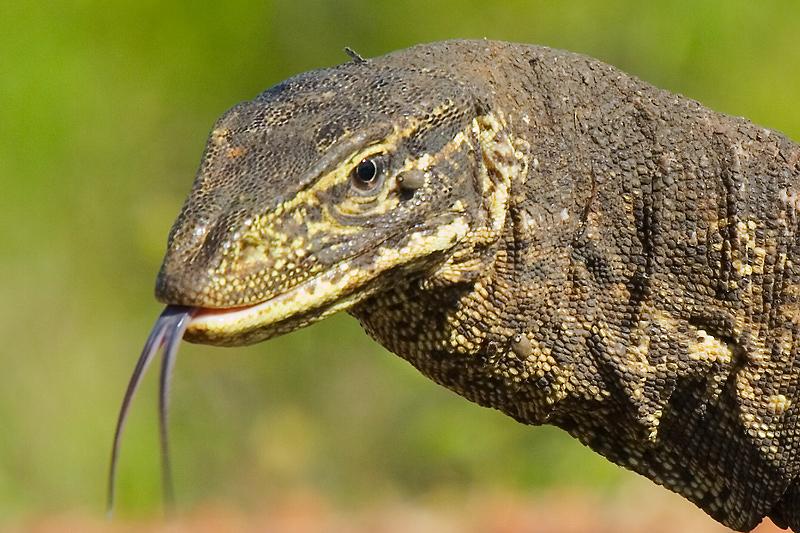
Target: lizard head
327 188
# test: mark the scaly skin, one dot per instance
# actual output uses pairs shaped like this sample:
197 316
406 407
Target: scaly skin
545 235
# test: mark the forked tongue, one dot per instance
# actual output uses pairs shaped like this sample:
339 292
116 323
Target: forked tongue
168 332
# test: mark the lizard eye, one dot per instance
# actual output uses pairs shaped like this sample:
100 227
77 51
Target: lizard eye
366 175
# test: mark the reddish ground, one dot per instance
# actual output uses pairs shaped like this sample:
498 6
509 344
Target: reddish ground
641 509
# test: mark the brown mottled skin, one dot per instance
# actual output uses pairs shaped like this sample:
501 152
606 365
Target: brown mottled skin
616 260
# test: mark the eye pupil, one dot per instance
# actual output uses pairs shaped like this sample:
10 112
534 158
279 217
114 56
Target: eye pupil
366 171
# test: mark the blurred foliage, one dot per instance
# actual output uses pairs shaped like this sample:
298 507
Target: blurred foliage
104 110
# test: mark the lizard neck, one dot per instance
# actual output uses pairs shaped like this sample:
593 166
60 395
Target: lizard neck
490 336
633 297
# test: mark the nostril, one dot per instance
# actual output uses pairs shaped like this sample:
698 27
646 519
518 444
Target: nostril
217 236
200 248
190 243
215 239
212 242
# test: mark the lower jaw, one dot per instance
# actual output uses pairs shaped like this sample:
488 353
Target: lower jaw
312 300
250 335
199 333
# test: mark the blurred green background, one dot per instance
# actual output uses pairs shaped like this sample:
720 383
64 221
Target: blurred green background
104 111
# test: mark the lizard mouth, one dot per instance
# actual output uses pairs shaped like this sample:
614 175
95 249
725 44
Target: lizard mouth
335 289
320 296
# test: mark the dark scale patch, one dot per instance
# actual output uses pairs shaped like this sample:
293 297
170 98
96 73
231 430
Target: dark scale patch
327 134
438 129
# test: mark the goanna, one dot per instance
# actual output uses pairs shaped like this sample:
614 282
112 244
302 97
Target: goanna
533 229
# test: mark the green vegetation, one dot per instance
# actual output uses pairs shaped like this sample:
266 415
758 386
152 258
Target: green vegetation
104 110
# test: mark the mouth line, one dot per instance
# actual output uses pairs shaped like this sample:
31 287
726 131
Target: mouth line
314 293
205 311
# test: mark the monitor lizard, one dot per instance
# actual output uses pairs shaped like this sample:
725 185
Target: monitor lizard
535 230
